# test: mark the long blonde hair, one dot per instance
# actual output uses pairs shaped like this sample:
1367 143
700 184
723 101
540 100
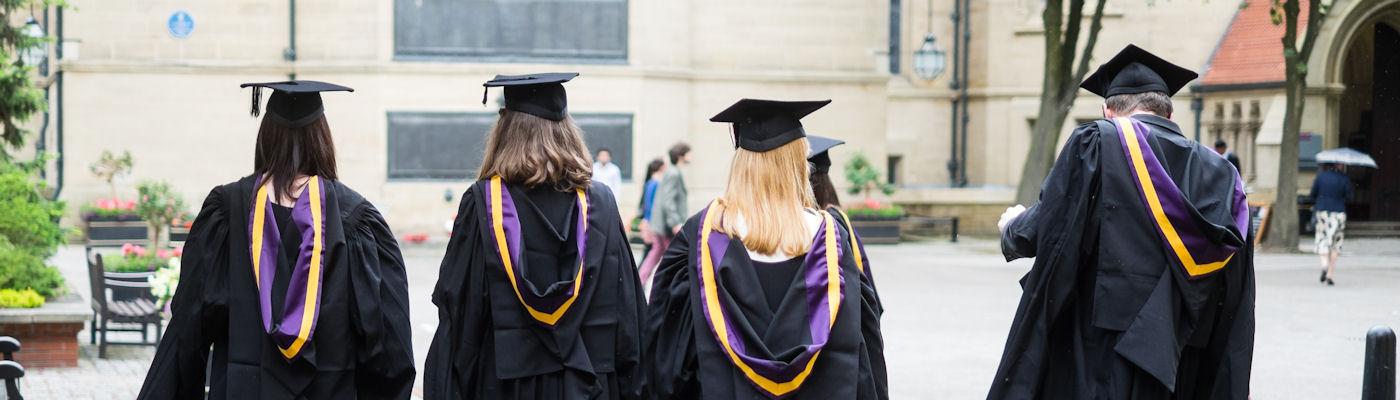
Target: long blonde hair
528 150
769 189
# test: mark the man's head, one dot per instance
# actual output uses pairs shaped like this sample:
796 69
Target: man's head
1123 105
1220 146
604 156
679 153
1136 81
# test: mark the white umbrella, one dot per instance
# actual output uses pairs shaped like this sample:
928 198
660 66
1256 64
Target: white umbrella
1346 156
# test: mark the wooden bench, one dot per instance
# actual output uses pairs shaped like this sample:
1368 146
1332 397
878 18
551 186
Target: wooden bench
141 310
929 224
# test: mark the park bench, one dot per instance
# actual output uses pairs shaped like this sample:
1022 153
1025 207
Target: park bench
10 370
139 310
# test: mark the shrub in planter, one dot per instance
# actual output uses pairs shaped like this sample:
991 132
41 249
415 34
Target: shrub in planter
21 269
109 166
110 210
27 298
137 259
29 221
160 207
874 210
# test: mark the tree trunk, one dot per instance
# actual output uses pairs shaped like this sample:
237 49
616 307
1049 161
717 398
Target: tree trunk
155 237
1283 231
1058 90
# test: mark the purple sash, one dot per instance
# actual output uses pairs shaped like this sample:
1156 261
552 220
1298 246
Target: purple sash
505 227
1171 215
824 285
302 305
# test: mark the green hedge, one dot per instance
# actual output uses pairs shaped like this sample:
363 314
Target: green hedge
29 234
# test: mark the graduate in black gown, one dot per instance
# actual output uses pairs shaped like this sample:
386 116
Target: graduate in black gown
537 295
1143 282
759 295
292 278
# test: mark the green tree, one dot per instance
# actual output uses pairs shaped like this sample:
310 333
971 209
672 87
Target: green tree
19 97
1283 231
864 177
1060 87
159 206
109 166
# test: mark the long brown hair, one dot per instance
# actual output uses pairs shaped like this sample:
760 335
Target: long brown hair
284 153
527 150
769 189
824 190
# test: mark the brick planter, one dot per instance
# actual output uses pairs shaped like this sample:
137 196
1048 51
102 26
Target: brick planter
48 334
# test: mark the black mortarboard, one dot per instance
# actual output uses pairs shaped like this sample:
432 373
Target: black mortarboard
1134 70
293 104
763 125
821 161
541 95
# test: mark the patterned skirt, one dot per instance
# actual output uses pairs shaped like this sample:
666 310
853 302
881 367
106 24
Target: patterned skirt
1329 233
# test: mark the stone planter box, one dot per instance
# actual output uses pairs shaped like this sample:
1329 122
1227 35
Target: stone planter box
178 234
115 232
48 334
884 231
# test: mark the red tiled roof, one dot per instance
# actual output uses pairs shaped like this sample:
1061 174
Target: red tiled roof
1252 50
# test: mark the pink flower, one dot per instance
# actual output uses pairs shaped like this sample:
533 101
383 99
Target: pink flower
105 204
171 202
130 204
140 251
872 203
128 248
179 251
145 198
162 253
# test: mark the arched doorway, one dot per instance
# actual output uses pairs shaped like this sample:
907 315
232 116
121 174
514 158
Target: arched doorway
1369 115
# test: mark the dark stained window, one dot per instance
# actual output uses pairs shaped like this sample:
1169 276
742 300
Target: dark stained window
438 145
511 30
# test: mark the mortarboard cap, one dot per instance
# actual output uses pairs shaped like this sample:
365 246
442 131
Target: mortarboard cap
293 104
541 95
821 161
763 125
1135 70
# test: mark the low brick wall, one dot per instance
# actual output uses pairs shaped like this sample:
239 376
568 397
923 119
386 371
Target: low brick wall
48 335
44 345
977 220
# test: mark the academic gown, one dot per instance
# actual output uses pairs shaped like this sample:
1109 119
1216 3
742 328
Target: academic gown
688 360
361 345
1109 311
488 346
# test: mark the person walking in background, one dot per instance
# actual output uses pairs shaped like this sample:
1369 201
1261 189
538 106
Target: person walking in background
537 296
653 179
294 279
668 209
773 275
1331 190
1143 281
606 172
1229 155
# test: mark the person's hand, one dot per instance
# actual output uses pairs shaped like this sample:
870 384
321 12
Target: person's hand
1010 214
676 230
645 229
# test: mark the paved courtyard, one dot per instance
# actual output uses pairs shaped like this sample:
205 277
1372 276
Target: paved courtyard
948 308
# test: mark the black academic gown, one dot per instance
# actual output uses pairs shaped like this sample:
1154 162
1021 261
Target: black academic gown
689 363
1106 314
488 347
361 347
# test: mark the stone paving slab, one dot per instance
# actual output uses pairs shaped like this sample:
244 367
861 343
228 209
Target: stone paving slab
948 308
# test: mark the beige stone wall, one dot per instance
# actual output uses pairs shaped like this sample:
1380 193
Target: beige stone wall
175 103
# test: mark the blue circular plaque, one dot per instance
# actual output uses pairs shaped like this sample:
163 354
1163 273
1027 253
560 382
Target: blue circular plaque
181 24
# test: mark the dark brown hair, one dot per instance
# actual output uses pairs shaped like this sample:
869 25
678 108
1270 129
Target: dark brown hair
652 167
824 190
527 150
677 151
284 153
1154 102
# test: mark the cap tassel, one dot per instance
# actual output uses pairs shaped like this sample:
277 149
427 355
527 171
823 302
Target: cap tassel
257 98
484 91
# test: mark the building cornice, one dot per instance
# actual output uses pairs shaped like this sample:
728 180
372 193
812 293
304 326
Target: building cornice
444 68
